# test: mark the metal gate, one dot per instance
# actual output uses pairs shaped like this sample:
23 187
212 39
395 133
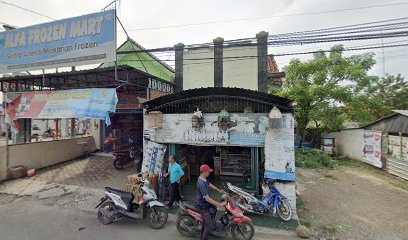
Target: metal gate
397 159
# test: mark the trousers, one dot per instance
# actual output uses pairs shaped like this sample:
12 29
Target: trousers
208 216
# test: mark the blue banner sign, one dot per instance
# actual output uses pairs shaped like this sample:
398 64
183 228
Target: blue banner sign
247 139
87 39
93 103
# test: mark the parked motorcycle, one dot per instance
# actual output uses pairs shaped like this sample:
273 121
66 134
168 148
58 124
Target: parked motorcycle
123 158
189 221
274 202
117 204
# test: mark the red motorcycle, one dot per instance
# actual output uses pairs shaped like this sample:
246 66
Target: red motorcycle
233 221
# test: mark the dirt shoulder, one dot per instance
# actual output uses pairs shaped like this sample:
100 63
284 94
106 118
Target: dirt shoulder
353 203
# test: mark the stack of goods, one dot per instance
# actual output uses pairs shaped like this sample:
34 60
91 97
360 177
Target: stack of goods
133 184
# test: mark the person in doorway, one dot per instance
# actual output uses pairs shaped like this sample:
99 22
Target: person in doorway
109 141
205 204
175 172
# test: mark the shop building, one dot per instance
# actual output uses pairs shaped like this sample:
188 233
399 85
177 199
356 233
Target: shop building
231 130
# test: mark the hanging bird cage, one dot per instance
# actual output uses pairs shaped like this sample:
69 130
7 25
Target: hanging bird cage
197 120
275 118
223 120
155 120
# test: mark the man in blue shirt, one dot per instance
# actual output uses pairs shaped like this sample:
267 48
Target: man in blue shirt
175 172
205 204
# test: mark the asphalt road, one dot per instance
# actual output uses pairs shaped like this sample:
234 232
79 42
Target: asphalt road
25 218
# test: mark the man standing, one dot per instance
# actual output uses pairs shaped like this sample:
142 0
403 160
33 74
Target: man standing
205 204
175 172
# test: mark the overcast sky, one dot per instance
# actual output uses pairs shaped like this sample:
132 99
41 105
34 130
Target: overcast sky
158 13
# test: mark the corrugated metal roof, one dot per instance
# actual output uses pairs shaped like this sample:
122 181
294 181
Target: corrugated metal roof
402 112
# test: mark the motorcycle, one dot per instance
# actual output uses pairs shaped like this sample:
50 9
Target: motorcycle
118 204
122 158
189 221
274 202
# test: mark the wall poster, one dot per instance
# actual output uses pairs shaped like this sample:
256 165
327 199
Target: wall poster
280 151
372 148
153 157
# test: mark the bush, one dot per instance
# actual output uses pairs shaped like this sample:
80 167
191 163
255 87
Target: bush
313 158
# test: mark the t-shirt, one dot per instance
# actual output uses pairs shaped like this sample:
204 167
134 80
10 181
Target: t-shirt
175 172
202 192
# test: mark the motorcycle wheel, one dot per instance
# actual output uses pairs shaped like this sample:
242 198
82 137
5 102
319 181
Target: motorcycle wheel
109 206
243 231
158 218
186 220
284 210
118 164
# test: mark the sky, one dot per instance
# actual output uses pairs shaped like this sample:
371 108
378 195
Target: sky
139 16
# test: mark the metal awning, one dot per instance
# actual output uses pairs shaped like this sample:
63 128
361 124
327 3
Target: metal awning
130 80
212 100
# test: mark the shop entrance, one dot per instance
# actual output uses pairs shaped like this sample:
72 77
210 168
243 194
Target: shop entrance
125 125
238 165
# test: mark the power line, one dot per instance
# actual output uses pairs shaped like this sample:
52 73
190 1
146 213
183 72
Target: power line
27 10
269 17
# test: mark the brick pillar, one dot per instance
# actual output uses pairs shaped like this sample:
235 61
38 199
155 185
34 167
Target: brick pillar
262 42
179 48
218 62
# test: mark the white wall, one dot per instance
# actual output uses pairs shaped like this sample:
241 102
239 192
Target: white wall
198 73
240 73
348 142
44 154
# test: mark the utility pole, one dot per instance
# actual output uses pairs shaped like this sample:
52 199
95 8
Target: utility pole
7 27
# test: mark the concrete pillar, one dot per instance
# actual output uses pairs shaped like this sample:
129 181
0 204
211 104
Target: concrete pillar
179 51
262 42
3 163
218 62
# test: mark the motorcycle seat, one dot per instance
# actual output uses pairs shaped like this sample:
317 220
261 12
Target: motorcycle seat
190 205
126 195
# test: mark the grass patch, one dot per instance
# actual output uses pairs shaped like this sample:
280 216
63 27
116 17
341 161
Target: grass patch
316 159
306 223
331 229
313 158
331 177
300 201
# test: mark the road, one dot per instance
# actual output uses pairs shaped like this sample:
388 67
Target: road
31 219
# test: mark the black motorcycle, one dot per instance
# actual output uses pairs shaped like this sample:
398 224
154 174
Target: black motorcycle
124 158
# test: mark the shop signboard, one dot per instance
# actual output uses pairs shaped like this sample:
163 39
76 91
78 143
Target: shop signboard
372 148
88 39
246 129
92 103
280 150
160 86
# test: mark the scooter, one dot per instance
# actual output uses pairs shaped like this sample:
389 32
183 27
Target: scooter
274 202
122 158
189 221
118 204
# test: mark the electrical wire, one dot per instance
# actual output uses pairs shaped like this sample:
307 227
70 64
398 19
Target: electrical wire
27 10
269 17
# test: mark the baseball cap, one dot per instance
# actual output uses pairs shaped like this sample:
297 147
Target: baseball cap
205 168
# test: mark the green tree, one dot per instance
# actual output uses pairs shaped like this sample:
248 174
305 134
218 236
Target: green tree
324 84
378 98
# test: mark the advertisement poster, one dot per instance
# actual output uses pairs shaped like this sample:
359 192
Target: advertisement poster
372 148
88 39
246 129
153 157
398 147
280 151
92 103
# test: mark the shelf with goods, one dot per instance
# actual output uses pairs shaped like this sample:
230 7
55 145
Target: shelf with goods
235 167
